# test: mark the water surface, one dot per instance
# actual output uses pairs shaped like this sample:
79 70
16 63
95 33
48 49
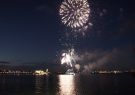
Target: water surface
102 84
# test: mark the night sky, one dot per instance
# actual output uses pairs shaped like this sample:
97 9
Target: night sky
31 31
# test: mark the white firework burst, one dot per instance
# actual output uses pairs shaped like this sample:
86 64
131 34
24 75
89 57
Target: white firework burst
69 57
75 13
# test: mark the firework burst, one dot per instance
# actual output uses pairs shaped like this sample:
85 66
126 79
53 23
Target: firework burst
75 14
69 57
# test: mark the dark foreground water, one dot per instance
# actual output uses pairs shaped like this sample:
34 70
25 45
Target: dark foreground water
121 84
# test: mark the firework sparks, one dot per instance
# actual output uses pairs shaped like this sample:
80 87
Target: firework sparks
69 58
75 14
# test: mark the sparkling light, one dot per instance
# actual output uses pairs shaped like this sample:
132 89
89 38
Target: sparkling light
69 57
75 14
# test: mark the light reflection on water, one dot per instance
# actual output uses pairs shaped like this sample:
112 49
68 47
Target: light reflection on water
39 82
66 85
41 85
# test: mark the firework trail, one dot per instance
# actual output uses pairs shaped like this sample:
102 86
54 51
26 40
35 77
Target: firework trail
74 15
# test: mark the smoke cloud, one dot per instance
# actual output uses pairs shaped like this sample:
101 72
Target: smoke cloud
115 59
77 66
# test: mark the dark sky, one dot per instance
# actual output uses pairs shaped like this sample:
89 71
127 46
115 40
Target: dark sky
30 30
